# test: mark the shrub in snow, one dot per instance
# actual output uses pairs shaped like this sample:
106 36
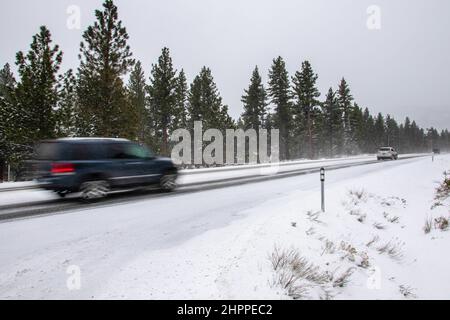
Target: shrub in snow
441 223
443 190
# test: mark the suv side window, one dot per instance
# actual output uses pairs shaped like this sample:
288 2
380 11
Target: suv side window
135 151
87 151
127 151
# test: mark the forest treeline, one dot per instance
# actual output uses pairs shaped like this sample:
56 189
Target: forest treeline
110 95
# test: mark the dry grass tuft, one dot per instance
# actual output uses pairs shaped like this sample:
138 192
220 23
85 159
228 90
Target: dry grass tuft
379 226
428 225
329 247
407 291
295 273
393 249
344 278
313 216
357 196
374 239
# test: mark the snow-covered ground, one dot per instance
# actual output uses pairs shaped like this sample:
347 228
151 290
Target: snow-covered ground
224 243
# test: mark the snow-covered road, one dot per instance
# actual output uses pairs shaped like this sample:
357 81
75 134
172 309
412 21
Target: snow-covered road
36 253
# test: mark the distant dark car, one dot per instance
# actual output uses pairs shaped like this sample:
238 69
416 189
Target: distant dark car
94 166
436 151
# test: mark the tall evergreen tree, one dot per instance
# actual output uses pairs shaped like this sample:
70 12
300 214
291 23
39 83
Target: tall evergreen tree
368 143
37 88
357 127
66 112
332 124
9 114
345 100
105 58
181 96
205 103
306 103
392 132
137 95
379 131
162 97
255 103
280 97
10 121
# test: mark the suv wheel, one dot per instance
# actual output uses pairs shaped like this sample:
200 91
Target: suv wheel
61 194
168 182
94 190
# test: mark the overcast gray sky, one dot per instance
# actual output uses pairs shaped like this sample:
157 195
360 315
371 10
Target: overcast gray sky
402 69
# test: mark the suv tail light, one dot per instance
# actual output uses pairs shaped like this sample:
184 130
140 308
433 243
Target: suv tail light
62 168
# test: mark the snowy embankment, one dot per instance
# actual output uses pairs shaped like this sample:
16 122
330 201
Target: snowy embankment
369 244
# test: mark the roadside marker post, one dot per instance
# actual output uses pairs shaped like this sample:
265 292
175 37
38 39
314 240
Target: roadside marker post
322 183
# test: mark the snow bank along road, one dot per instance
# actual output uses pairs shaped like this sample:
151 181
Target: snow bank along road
19 200
188 245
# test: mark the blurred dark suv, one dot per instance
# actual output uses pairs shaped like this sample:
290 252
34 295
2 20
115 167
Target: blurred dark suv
94 166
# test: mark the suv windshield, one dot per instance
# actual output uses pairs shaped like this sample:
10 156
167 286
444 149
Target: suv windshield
385 149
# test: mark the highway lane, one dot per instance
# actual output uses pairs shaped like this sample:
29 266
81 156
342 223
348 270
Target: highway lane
55 206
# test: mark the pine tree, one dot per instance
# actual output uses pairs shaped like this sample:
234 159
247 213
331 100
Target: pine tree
105 58
37 88
10 124
345 100
332 124
162 97
357 127
181 96
66 111
306 103
137 95
280 97
9 115
368 143
379 130
255 103
392 132
205 103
